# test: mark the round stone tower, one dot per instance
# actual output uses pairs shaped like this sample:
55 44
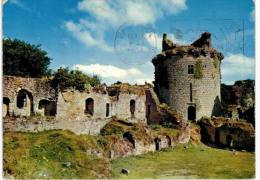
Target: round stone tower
187 78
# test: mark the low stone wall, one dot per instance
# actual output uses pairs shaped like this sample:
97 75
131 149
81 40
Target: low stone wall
91 127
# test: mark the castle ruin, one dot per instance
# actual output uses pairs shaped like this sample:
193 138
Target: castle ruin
187 78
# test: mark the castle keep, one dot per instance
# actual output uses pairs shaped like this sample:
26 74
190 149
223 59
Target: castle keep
187 78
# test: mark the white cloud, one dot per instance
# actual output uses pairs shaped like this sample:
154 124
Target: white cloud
110 73
107 71
155 40
85 36
237 67
113 13
144 80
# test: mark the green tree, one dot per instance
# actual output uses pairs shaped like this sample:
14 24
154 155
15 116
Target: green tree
23 59
64 78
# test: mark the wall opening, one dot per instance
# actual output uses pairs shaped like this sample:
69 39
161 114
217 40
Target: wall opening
107 109
50 107
191 113
129 137
89 107
190 92
132 108
25 100
190 69
229 141
6 102
157 142
168 140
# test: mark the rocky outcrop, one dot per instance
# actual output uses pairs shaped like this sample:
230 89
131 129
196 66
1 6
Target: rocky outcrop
228 133
134 139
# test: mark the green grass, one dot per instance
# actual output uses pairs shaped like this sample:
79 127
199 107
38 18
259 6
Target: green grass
62 154
198 161
53 154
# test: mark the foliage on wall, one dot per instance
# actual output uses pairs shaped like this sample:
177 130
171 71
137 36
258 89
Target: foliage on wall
198 74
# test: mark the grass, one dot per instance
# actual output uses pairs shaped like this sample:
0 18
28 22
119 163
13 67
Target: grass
53 154
197 161
57 154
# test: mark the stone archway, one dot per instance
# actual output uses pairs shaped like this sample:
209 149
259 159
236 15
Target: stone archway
24 102
191 113
130 138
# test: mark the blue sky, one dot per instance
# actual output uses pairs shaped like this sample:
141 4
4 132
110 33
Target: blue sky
117 39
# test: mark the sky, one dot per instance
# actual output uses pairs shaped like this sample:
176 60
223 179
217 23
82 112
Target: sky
117 39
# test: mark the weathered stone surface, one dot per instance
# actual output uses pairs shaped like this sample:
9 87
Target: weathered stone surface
180 89
228 133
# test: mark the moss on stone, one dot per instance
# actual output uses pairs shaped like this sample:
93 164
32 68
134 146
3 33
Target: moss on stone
216 63
198 74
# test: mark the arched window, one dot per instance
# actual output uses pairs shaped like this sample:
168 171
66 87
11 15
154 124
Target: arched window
132 107
25 99
21 99
89 108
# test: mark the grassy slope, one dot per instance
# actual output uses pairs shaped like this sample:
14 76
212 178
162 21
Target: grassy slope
62 154
195 162
53 154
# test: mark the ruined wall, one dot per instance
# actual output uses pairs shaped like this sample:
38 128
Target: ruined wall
72 104
35 89
228 133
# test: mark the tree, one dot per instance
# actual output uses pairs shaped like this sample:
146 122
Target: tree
64 78
23 59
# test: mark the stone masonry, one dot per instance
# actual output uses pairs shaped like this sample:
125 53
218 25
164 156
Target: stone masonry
187 78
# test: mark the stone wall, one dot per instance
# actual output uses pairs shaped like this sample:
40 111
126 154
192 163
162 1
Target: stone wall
34 89
25 97
72 104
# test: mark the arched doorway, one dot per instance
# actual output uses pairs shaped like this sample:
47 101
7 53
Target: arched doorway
89 108
24 101
6 102
129 137
191 113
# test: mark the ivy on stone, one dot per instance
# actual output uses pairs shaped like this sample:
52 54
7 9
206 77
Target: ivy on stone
198 74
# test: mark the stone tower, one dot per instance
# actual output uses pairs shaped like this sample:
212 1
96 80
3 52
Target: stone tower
187 78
